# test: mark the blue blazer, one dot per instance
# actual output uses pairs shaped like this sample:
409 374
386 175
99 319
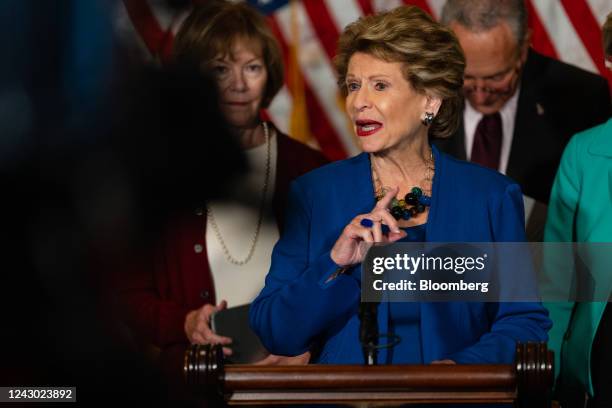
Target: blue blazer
298 308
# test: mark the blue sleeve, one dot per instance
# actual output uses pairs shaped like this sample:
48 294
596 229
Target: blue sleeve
299 300
511 322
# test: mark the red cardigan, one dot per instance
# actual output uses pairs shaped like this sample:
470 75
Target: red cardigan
176 278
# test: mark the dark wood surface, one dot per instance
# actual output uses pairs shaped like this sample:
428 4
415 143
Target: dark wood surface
526 383
239 377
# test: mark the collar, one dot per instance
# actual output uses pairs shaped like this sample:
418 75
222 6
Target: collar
364 192
602 146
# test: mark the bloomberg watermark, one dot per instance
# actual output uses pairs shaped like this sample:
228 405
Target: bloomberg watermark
487 272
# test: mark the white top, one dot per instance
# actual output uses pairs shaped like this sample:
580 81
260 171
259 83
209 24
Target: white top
237 222
471 117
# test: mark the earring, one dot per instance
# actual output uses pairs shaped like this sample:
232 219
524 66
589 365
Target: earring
429 117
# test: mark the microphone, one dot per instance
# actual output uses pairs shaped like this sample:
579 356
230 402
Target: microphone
368 331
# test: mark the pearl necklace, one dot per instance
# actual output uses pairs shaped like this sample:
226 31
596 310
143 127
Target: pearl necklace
209 213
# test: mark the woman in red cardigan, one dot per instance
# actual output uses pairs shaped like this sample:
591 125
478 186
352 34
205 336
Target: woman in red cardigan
218 255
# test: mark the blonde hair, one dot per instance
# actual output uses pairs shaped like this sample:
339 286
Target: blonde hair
433 62
212 29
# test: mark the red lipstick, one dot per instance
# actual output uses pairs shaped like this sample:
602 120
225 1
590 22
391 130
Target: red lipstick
366 127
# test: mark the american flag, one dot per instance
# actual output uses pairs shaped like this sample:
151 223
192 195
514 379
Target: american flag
309 107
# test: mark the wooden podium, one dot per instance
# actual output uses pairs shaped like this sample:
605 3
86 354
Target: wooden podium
527 383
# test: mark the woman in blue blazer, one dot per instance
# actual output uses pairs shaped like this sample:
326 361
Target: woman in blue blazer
402 75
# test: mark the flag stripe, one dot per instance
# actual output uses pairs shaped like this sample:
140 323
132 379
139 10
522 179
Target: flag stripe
384 5
146 24
600 9
325 134
366 7
568 30
323 24
320 128
421 4
343 12
587 29
277 108
127 31
317 69
567 42
280 109
540 40
436 7
162 11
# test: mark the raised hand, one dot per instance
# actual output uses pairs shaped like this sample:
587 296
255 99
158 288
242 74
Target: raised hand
348 250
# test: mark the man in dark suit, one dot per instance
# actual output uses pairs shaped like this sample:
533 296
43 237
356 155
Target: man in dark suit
521 107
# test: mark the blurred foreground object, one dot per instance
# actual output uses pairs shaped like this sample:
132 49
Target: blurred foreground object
91 164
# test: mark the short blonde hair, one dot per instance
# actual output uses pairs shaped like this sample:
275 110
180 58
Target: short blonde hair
433 62
211 30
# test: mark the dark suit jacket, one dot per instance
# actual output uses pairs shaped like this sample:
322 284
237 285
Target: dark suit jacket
556 100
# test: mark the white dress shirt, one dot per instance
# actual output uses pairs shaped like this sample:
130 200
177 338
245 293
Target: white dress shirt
471 118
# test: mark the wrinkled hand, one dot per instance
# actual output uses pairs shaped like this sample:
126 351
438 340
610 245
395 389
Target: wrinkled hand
197 327
348 250
273 359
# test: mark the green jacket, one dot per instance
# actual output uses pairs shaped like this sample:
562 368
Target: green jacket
580 210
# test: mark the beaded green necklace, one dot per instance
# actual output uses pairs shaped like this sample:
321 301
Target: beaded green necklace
413 203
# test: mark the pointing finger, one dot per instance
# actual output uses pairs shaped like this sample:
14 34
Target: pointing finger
386 200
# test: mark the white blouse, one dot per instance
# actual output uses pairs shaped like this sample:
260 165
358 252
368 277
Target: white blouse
237 222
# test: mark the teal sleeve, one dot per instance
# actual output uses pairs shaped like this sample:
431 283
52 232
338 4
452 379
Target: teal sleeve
560 228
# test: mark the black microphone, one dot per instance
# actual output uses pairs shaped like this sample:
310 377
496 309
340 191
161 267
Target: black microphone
368 331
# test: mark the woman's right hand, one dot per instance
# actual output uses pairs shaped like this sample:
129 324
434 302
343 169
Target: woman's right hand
348 251
197 327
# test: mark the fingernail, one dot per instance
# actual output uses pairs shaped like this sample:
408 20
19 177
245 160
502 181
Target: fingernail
366 222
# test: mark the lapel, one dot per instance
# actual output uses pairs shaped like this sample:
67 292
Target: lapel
358 185
536 144
610 182
352 190
529 128
599 163
282 181
527 117
603 146
361 188
363 201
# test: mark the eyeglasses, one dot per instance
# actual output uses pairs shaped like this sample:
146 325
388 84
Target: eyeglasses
498 83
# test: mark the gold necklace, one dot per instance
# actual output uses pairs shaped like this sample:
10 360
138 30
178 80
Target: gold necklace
209 213
413 203
380 190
